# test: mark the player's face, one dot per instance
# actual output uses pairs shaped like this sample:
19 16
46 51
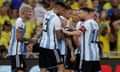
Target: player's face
61 10
75 16
82 14
28 14
67 13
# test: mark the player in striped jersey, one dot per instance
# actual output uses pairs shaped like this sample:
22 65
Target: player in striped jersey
89 39
49 56
16 48
51 35
89 43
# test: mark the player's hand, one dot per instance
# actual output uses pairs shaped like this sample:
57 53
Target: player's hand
34 40
64 22
64 31
73 58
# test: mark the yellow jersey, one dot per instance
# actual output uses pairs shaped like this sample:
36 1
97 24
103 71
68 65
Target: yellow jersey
118 40
105 41
4 42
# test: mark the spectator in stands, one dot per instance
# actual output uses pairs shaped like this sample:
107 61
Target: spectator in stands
89 3
100 6
6 3
6 32
3 41
75 5
3 52
82 3
1 2
113 15
39 12
15 5
108 5
50 3
95 4
4 15
104 39
116 25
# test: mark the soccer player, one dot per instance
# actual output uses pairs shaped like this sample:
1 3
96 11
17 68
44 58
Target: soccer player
88 32
71 61
16 48
49 53
49 56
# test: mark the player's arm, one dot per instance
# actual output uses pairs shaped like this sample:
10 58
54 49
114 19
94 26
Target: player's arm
36 36
76 41
70 46
116 24
19 29
59 34
77 32
58 28
19 36
34 40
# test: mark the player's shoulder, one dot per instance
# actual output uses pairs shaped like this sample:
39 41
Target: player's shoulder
51 13
19 20
90 21
79 23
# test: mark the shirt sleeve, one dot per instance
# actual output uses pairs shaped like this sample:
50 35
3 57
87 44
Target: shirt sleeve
57 23
84 27
19 25
78 25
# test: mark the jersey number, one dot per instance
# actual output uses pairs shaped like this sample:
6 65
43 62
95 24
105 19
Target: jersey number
45 28
95 35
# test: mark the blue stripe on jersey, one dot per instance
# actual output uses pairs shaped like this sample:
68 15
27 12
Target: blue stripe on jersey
13 40
48 33
89 42
21 46
60 45
84 45
21 43
54 38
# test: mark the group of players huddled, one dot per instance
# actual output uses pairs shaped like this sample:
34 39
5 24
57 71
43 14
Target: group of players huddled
64 44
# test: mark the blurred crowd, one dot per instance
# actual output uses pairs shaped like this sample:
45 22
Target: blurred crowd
109 20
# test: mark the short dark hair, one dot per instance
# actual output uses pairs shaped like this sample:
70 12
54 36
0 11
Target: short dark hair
68 7
60 4
7 23
86 9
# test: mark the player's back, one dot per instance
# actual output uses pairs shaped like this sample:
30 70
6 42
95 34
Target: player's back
48 39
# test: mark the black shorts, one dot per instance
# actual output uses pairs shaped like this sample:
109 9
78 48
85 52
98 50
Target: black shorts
62 59
90 66
48 58
72 65
18 61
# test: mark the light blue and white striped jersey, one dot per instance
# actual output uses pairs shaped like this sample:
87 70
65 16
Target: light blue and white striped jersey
89 46
51 24
62 46
61 42
77 50
17 47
